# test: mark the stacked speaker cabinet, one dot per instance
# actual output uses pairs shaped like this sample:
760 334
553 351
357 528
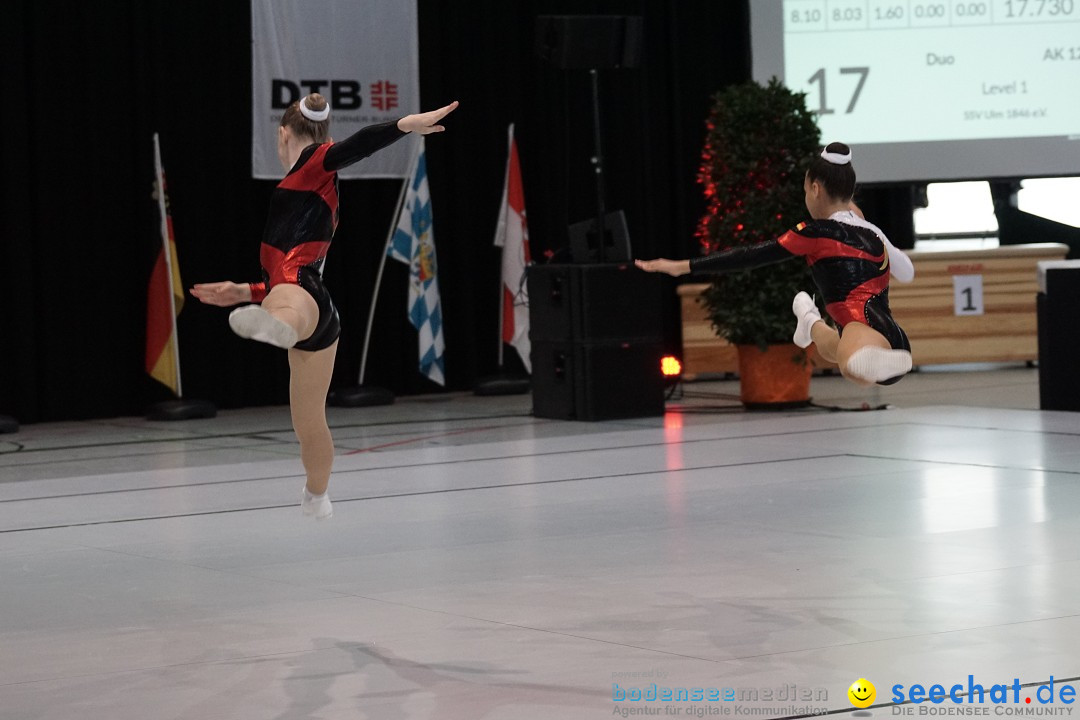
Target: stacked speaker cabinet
596 341
1059 341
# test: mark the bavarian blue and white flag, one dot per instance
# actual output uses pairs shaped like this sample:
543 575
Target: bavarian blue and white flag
413 243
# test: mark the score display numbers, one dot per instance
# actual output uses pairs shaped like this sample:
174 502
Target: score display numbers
896 71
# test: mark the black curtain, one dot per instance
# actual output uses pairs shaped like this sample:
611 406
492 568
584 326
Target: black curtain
88 84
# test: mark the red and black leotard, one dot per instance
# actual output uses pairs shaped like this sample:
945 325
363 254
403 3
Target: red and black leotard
302 220
850 265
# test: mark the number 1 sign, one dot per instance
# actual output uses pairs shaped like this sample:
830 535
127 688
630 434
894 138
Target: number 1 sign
968 294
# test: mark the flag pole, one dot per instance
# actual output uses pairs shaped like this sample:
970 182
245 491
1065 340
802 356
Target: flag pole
361 396
160 173
500 383
501 227
382 263
502 309
178 409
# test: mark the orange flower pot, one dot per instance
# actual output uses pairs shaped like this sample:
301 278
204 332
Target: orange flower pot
777 378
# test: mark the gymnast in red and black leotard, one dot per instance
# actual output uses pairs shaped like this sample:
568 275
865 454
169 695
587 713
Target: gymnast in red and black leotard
302 220
851 261
850 265
291 308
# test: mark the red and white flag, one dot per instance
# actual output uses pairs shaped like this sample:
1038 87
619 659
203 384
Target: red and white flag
512 235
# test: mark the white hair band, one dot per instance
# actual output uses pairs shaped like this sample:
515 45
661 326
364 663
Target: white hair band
836 158
314 115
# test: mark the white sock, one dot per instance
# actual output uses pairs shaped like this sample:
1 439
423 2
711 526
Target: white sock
875 364
317 505
254 323
806 311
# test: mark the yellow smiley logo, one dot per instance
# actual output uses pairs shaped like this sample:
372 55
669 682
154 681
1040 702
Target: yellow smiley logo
862 693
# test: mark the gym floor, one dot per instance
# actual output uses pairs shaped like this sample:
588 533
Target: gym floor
482 563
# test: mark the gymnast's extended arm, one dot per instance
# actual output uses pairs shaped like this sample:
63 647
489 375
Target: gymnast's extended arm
743 257
373 138
362 143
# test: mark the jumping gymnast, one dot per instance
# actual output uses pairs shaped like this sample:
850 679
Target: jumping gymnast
296 311
850 260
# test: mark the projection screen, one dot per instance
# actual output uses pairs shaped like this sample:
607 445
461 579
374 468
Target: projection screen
933 89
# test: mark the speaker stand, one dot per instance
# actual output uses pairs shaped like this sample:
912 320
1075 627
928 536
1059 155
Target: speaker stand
598 162
503 384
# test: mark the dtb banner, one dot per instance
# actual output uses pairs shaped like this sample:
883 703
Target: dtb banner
363 57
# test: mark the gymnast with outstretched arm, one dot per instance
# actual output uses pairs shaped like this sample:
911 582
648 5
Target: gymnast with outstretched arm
851 261
294 309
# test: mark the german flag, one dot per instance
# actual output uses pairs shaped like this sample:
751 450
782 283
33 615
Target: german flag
165 294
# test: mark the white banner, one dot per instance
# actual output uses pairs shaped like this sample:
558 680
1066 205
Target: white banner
362 56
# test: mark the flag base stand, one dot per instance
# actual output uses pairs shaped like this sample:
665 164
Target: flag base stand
181 409
8 424
503 385
360 396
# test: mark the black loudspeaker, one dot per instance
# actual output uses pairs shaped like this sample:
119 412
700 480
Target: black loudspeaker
554 370
589 42
585 245
597 380
1059 343
596 341
587 303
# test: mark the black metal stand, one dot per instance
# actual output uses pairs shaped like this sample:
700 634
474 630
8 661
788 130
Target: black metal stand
360 396
181 409
503 384
593 43
598 163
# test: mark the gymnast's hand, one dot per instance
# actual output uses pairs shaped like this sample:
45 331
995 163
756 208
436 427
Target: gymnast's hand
674 268
222 294
426 123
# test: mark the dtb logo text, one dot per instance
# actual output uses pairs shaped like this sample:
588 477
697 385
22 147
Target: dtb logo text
341 94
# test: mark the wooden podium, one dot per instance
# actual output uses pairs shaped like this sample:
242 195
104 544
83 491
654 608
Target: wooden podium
965 306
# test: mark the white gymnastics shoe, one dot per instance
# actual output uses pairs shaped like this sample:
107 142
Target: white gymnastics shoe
806 311
317 506
254 323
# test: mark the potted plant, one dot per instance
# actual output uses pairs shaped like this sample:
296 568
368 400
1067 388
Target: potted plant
759 142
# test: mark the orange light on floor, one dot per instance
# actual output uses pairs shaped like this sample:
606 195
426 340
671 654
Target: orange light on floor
670 366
